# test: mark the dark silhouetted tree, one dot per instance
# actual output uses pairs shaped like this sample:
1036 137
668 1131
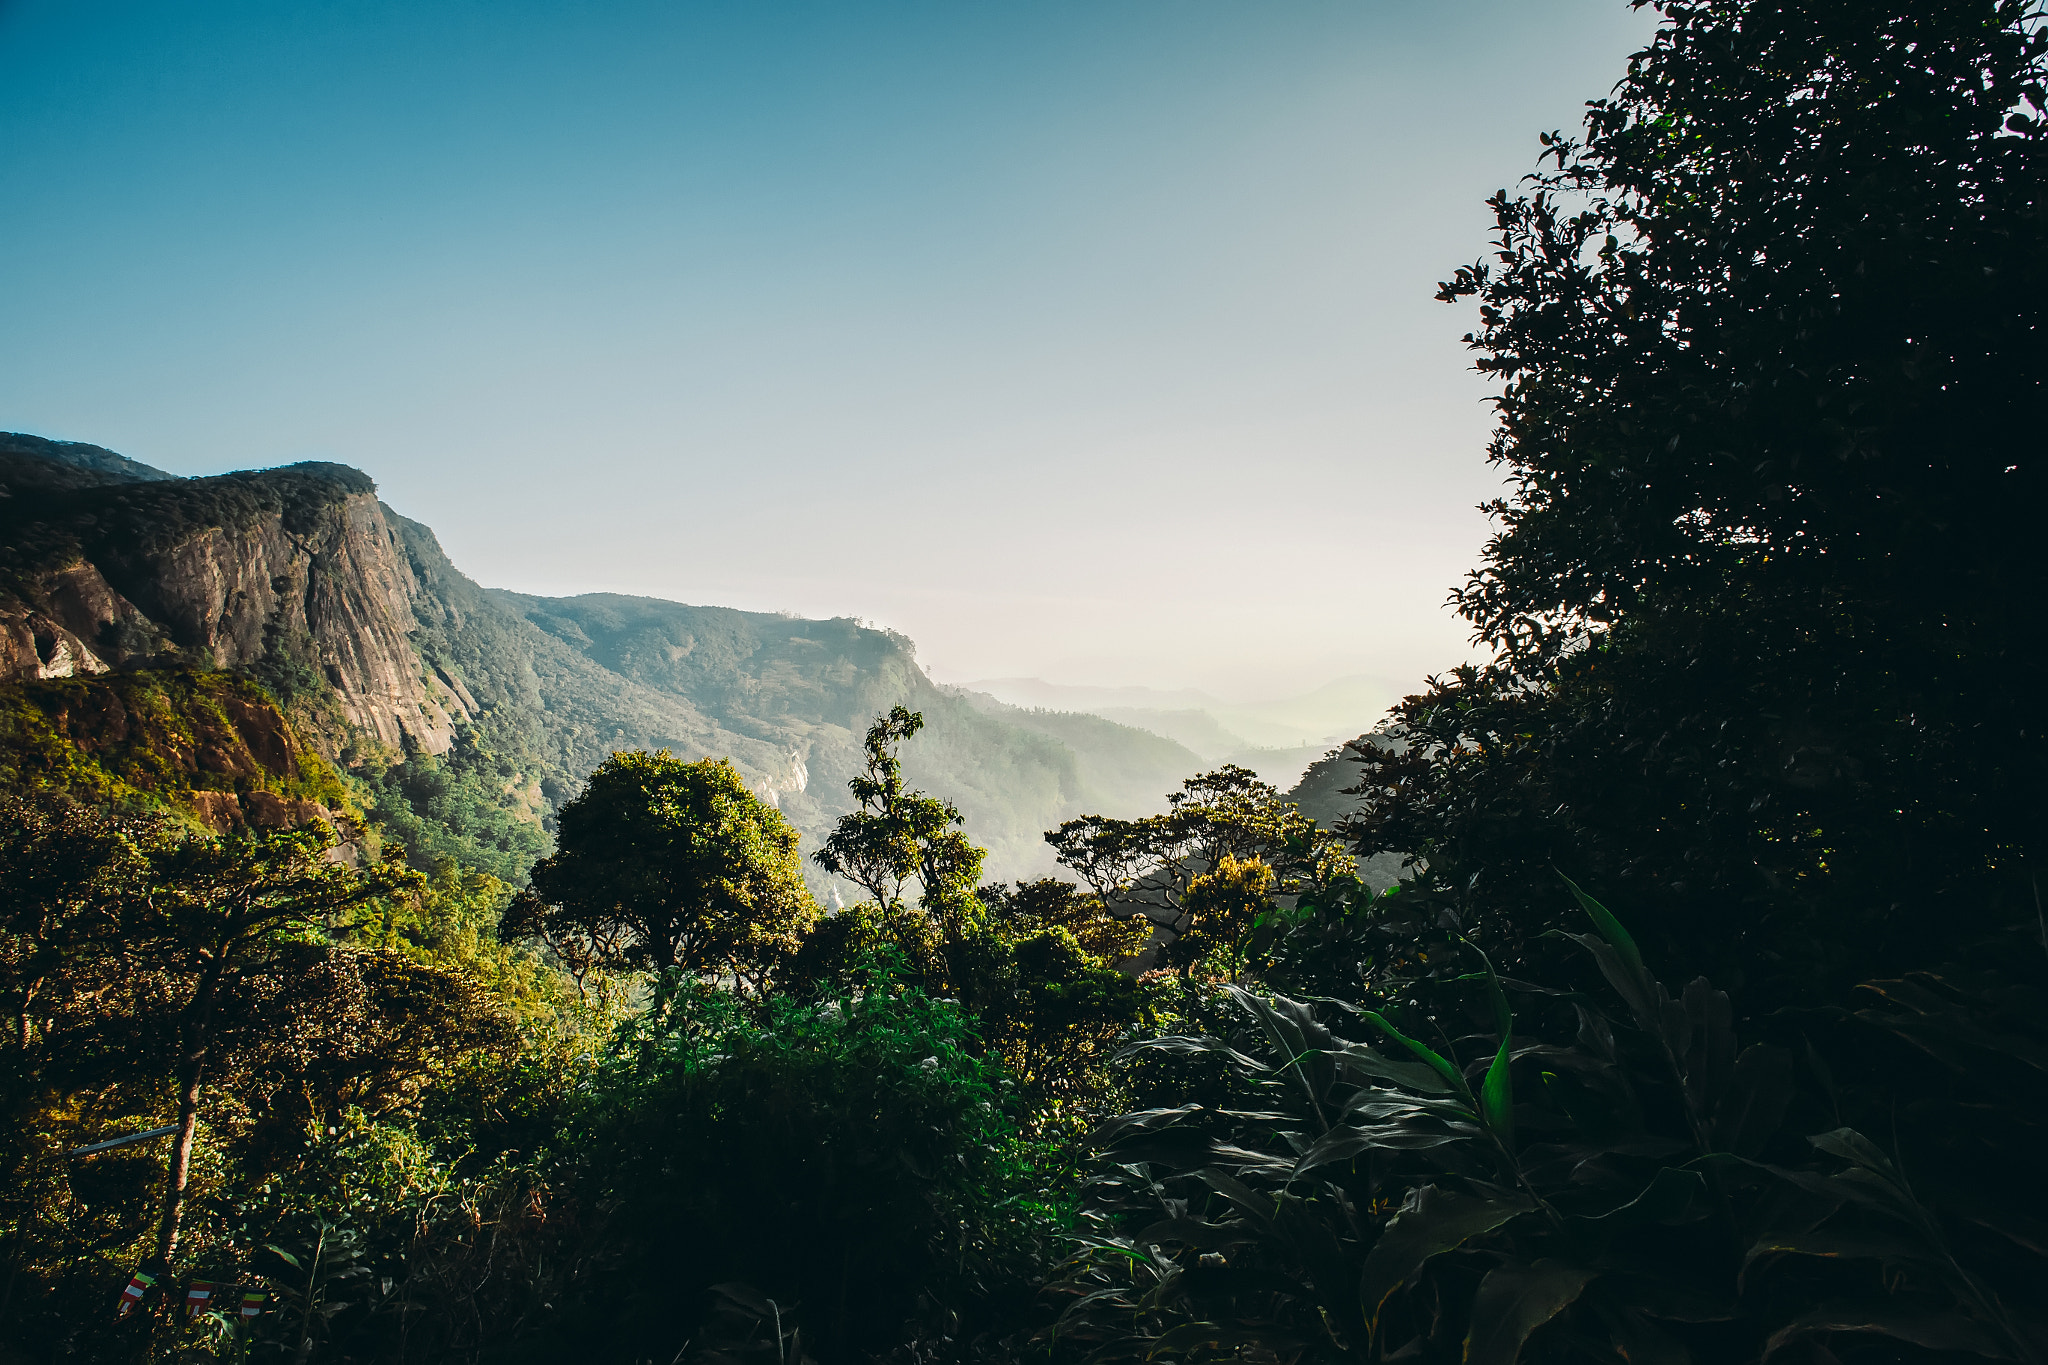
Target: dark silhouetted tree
1770 343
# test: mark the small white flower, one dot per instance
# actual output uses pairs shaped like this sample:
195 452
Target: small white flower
930 1064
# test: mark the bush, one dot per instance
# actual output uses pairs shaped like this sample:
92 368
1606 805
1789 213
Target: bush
853 1160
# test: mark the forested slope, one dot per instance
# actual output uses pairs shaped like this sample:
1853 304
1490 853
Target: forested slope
386 655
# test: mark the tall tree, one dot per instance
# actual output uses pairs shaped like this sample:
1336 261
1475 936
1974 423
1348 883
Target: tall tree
896 835
211 910
1770 342
664 864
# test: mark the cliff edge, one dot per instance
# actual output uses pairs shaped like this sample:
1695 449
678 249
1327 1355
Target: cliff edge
108 563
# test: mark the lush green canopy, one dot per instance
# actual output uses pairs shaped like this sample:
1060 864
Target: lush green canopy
663 864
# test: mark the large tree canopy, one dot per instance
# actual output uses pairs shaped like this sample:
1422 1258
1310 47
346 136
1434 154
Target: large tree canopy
1770 346
666 864
1770 336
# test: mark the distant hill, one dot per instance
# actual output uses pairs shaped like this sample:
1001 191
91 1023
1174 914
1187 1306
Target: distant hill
1209 726
1129 769
1198 731
1281 767
399 668
1322 797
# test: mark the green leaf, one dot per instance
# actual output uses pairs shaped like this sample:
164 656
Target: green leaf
1513 1301
1760 1089
1437 1063
1343 1143
284 1255
1871 1173
1497 1094
1431 1222
1400 1073
1668 1197
1674 1300
1609 928
1935 1331
1644 996
1843 1246
1191 1232
1503 1017
1256 1206
1856 1149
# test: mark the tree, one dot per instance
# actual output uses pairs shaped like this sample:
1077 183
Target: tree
1205 869
664 864
210 911
65 871
1770 342
895 835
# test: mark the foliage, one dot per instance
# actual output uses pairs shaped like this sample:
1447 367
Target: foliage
1209 872
150 741
155 975
665 864
1637 1193
474 806
1038 965
851 1158
1768 338
895 835
1768 344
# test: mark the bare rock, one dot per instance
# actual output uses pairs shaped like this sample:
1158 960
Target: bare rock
218 811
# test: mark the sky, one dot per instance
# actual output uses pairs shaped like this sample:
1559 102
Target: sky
1091 341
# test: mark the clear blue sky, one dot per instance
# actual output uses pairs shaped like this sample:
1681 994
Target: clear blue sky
1092 341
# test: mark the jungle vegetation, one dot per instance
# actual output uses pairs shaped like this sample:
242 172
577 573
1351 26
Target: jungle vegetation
1707 1021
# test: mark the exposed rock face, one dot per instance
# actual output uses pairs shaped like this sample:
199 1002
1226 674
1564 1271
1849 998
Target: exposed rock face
292 567
329 592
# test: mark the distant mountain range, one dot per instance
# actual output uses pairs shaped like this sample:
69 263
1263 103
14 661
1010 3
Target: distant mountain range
1276 739
381 648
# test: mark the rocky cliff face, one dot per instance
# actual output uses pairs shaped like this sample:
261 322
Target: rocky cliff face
274 571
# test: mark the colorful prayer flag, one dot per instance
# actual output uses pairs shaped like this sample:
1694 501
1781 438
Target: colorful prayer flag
199 1297
252 1302
131 1297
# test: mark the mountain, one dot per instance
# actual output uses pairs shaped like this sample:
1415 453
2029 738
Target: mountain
1322 797
1217 730
1129 768
284 571
1197 730
402 671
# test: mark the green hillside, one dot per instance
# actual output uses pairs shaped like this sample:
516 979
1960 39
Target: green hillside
471 714
789 698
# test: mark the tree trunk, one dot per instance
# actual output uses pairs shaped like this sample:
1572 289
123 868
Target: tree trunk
194 1032
191 1072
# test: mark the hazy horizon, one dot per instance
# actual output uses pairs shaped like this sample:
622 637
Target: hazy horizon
1078 343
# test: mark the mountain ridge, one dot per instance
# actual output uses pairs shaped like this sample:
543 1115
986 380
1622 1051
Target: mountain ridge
384 652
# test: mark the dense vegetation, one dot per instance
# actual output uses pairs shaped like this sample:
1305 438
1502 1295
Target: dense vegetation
1707 1022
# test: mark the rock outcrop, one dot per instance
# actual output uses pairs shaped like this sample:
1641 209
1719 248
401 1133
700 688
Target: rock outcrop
273 571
